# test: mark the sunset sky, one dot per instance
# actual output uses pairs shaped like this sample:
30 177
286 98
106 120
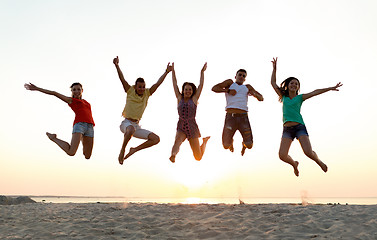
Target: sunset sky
55 43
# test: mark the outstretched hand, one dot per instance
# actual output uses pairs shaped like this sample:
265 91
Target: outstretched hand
204 67
116 60
338 85
30 86
169 67
274 62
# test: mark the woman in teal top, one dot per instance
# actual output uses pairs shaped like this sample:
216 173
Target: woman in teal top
294 126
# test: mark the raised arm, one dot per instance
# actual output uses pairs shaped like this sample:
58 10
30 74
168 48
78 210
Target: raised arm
224 87
175 85
200 87
125 84
253 92
320 91
32 87
161 79
273 77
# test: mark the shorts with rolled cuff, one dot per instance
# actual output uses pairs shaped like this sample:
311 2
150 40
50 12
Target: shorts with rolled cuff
139 132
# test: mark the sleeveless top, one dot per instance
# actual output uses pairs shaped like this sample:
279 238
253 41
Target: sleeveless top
187 123
239 100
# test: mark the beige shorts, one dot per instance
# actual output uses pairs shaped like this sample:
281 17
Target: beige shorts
139 132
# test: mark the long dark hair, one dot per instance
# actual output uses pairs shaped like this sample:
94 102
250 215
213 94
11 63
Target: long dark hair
284 87
192 86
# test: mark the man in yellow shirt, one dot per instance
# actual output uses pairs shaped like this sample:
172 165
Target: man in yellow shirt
137 100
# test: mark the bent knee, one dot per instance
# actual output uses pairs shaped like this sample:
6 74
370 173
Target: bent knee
282 156
309 154
248 144
154 138
197 157
227 145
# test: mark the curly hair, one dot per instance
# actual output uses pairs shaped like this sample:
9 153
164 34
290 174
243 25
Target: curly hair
192 86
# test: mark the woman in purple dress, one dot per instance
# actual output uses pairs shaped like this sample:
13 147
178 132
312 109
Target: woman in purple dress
187 127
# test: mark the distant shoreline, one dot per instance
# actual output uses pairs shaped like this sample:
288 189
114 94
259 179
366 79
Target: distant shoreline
213 200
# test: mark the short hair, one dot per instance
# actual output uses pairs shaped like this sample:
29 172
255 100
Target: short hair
192 86
74 84
241 70
140 80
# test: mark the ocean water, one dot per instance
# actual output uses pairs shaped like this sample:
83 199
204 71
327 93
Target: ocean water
195 200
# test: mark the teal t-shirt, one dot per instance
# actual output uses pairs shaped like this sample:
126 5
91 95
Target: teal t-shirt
292 108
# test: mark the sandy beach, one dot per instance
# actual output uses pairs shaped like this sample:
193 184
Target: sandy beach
187 221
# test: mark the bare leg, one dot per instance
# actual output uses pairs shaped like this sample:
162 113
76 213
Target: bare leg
153 139
283 154
204 144
130 130
307 148
69 149
87 145
180 137
198 150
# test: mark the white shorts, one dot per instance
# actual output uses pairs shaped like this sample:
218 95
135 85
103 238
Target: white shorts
139 132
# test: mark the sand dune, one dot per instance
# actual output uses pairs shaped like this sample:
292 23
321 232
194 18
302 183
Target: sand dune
181 221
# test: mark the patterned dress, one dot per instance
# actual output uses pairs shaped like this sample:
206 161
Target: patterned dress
186 122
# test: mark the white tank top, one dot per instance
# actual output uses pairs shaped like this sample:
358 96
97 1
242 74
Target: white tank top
239 100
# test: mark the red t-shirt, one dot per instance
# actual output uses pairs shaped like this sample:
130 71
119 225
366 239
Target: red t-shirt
82 111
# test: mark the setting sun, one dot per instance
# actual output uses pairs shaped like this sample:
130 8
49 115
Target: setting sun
193 174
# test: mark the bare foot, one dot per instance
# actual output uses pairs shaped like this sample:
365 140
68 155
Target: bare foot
51 136
121 158
243 149
132 151
206 139
172 159
231 148
322 165
296 168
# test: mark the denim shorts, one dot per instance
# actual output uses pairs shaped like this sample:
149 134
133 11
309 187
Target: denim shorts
84 128
295 131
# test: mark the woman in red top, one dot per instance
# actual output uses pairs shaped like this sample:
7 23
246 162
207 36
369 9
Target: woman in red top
83 124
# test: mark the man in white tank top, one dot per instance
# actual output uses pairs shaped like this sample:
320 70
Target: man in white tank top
236 110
